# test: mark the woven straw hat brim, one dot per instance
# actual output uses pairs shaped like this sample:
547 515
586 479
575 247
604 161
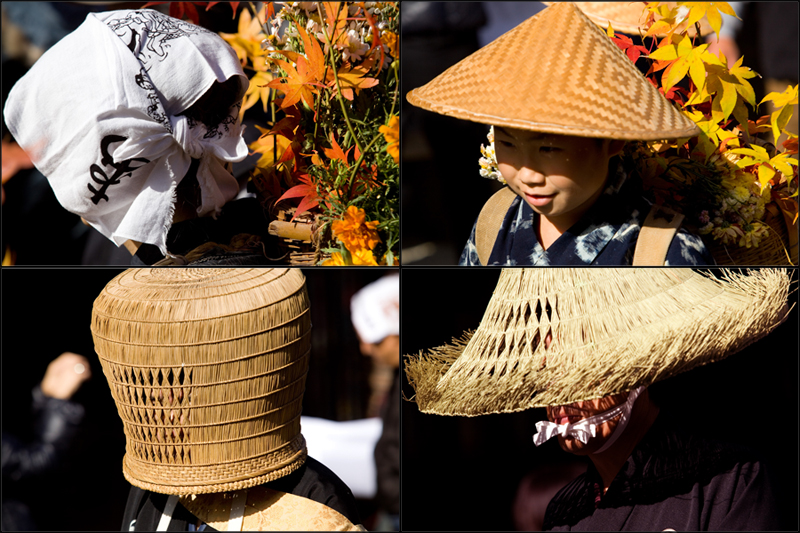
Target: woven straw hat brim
612 330
556 73
207 369
626 17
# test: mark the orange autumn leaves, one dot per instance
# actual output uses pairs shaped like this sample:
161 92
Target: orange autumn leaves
301 83
310 74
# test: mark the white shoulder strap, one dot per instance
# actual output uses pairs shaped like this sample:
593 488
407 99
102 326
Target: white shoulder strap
166 516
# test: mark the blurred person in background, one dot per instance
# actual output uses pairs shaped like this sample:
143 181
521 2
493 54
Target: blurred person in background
375 312
56 422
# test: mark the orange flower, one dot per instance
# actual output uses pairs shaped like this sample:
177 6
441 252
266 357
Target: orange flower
363 257
354 231
392 43
392 135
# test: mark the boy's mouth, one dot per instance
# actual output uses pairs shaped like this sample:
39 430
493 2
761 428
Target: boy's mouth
539 200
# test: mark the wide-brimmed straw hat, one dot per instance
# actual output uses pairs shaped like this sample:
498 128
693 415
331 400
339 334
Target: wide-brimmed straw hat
628 17
559 73
557 336
207 368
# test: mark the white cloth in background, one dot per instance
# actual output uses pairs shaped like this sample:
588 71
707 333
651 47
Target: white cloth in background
97 114
347 448
375 309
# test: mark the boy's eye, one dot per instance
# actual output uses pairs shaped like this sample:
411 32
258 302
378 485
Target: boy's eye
549 149
506 144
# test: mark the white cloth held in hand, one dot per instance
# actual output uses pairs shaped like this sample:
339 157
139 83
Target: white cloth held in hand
585 429
97 113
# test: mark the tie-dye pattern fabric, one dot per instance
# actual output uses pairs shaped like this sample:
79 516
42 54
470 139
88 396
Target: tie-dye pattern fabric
606 235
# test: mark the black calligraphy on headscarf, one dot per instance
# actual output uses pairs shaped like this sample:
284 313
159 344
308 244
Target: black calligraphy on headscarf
117 170
147 34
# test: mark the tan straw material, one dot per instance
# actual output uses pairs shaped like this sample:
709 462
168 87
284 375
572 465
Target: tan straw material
207 368
628 17
608 330
559 73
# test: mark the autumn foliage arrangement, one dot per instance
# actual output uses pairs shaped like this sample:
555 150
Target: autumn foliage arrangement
327 73
726 180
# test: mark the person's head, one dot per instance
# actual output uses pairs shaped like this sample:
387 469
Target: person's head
583 85
559 176
164 93
385 351
375 312
220 358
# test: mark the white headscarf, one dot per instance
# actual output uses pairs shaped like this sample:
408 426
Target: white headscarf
97 113
375 309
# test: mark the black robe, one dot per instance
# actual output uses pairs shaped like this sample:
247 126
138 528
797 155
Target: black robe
313 480
672 480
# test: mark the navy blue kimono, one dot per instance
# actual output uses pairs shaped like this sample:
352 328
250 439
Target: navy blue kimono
605 235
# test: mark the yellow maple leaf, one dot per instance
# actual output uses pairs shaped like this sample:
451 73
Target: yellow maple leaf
247 42
710 10
783 102
271 147
258 89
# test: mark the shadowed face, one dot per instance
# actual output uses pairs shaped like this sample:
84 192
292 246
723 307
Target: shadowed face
578 411
559 176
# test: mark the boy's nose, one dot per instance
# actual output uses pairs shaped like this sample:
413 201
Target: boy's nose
529 176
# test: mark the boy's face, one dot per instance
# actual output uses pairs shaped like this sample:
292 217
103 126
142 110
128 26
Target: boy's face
558 175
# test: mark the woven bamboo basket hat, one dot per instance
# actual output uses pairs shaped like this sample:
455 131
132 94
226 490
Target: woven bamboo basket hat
559 73
557 336
207 368
628 17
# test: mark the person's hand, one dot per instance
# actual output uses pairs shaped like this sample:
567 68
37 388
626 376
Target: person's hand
64 375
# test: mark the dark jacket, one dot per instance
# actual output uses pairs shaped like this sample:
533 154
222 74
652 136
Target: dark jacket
56 424
313 480
671 480
387 452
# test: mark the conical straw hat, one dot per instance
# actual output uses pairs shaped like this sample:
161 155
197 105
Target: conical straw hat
608 331
627 17
207 368
559 73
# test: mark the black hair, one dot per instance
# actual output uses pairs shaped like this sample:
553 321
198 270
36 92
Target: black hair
212 108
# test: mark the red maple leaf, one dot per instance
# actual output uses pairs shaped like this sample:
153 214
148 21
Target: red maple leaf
790 145
306 191
626 45
176 9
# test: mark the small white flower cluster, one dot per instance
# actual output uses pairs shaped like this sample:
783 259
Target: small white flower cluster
357 37
488 162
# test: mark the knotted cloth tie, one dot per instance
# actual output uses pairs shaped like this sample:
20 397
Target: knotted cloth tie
108 135
585 429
